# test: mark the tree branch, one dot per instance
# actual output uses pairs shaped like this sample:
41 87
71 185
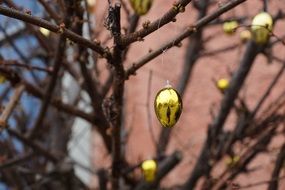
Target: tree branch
273 185
50 88
175 41
36 147
11 106
55 28
166 18
115 108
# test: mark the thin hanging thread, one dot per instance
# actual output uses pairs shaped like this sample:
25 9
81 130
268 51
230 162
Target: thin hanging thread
173 43
164 50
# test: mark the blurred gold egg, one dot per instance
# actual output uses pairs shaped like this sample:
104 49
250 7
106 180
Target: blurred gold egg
149 168
245 35
2 79
141 7
223 84
44 31
168 106
91 3
232 161
261 27
230 27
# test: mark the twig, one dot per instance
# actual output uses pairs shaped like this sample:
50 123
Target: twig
50 88
31 28
269 89
36 147
273 185
15 79
11 106
103 179
261 183
56 17
265 5
220 50
29 67
57 103
166 18
55 28
16 161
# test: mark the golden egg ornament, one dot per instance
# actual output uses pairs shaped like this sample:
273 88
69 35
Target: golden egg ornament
2 79
44 31
149 168
245 35
261 27
230 27
168 106
232 161
91 5
223 84
141 7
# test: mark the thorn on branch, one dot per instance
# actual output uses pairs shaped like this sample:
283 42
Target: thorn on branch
61 28
29 12
140 39
178 7
146 24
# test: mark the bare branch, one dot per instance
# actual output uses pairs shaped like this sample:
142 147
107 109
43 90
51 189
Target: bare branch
11 106
273 185
175 41
50 88
55 28
166 18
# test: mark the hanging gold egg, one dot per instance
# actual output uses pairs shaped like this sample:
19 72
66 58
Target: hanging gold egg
91 4
230 27
168 106
141 7
223 84
149 168
44 31
2 79
261 27
245 35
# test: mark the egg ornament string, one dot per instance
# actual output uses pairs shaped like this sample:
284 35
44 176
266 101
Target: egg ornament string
168 106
